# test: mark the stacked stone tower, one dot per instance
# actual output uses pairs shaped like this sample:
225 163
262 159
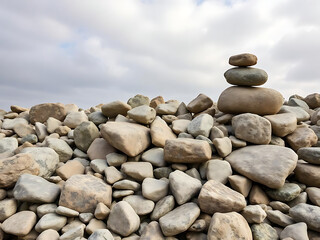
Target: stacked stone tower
245 97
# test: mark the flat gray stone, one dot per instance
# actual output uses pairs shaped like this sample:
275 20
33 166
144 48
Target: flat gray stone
246 76
307 213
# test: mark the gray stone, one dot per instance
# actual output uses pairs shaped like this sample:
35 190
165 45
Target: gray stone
179 219
310 154
254 214
218 170
8 144
97 118
286 193
243 60
295 231
155 156
8 207
30 188
112 109
183 187
142 114
123 219
162 207
307 213
51 221
101 234
116 159
74 119
282 124
299 112
154 189
8 124
201 125
247 76
85 134
252 128
137 170
266 164
140 205
61 147
263 231
19 224
279 218
46 157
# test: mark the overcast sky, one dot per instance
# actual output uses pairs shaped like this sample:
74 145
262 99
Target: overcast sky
96 51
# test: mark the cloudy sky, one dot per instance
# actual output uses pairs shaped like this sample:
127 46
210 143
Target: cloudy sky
95 51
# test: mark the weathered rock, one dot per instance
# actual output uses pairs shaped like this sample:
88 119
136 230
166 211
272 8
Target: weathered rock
155 156
13 167
223 146
53 124
99 148
156 101
246 76
97 118
41 112
69 169
252 128
41 131
95 225
199 104
243 60
154 189
74 119
88 191
142 114
139 204
218 170
160 132
279 218
262 101
132 139
282 124
314 195
201 125
116 159
229 226
302 137
180 125
85 134
73 233
99 165
258 196
263 231
183 187
308 174
187 151
162 207
313 100
30 188
299 112
307 213
216 197
266 164
123 219
254 214
102 211
8 207
8 144
168 108
112 109
241 184
46 158
22 129
152 232
19 224
179 219
101 234
61 148
51 221
286 193
310 154
295 231
137 170
138 100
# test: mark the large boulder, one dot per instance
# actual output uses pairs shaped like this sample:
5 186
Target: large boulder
41 112
266 164
261 101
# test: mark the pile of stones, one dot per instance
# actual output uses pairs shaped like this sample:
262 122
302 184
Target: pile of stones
246 167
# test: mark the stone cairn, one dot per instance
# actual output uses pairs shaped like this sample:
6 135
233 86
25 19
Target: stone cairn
245 168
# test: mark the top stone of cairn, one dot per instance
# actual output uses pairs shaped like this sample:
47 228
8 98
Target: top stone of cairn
243 60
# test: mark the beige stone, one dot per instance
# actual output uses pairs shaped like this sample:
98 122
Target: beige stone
99 148
314 195
102 211
123 219
241 184
252 128
18 109
313 100
258 196
279 218
69 169
187 151
23 129
112 109
216 197
74 119
41 112
223 146
160 132
49 234
200 103
132 139
13 167
254 214
229 226
308 174
169 107
282 124
180 125
19 224
53 124
243 60
138 100
266 164
89 191
156 101
137 170
152 232
84 134
261 101
302 137
8 207
142 114
95 225
218 170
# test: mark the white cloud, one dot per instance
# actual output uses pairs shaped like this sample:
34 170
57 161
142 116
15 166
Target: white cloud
92 52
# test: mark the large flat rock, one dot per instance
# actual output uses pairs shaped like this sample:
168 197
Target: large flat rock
266 164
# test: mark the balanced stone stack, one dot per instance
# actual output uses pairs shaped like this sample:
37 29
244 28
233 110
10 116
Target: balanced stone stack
245 97
247 168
